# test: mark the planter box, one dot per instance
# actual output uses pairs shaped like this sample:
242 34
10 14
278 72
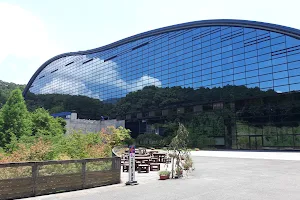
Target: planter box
163 177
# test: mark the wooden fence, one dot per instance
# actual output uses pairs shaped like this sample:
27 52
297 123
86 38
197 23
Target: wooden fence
26 179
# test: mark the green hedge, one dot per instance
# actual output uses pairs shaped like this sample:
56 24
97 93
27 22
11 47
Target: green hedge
150 140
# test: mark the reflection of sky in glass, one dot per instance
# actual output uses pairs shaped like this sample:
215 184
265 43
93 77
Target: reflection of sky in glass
200 57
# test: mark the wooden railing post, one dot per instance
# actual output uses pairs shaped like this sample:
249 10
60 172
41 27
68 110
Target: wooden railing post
34 173
118 161
83 175
113 163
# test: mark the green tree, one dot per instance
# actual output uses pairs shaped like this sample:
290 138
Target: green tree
15 119
181 140
119 136
178 148
46 125
5 90
2 135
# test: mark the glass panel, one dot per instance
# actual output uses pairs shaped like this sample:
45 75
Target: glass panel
266 84
252 80
294 65
295 79
280 68
282 74
266 70
295 87
280 89
265 77
252 73
278 82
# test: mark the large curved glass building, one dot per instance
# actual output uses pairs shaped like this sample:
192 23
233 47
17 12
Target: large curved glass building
233 82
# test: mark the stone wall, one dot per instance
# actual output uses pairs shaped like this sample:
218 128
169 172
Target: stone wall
86 126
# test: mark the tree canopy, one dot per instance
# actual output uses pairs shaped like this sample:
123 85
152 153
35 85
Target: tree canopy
5 90
15 118
87 108
17 122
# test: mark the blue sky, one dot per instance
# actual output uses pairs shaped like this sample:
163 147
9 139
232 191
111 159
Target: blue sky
33 31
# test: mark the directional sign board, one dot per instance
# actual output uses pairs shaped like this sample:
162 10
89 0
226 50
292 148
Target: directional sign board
131 171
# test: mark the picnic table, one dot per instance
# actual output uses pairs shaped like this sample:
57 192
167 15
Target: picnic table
152 151
143 159
141 155
160 156
142 151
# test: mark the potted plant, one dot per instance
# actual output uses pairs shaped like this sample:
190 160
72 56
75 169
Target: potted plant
163 175
186 166
188 163
178 172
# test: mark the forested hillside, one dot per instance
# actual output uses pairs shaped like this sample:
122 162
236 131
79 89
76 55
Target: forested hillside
87 108
5 90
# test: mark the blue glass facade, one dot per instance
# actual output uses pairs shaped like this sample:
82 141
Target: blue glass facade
243 69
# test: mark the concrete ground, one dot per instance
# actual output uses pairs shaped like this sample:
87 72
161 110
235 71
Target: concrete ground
218 175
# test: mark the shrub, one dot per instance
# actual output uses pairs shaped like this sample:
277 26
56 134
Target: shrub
39 150
204 141
79 146
117 136
188 162
129 141
164 173
243 142
150 140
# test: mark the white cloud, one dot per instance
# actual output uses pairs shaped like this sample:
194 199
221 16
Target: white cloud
97 73
142 82
73 87
24 43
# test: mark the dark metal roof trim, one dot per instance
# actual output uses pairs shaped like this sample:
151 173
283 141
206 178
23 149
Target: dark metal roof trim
54 71
196 24
69 63
87 61
110 58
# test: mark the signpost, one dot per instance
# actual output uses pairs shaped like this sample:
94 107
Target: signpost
131 172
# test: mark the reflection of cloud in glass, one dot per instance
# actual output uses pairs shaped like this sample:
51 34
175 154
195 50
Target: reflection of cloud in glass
97 72
142 82
61 86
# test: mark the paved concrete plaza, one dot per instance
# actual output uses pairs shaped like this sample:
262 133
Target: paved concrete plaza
218 175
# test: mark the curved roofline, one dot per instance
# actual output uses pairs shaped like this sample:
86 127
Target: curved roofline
195 24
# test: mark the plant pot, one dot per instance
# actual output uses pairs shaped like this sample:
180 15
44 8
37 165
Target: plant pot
163 177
